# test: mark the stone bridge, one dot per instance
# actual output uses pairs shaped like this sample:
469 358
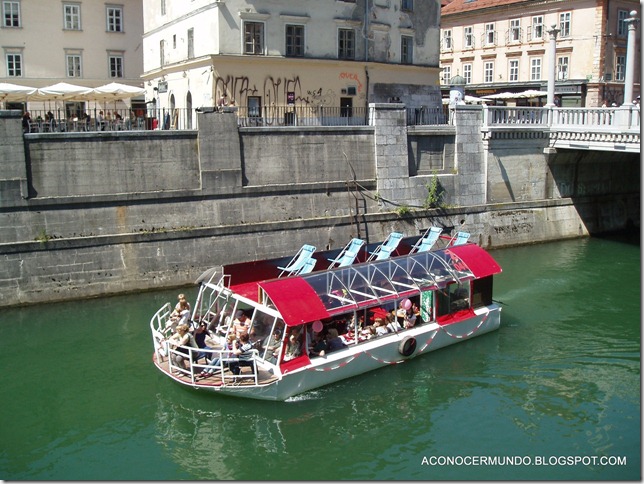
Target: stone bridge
600 129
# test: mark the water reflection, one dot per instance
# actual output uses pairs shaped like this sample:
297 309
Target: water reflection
347 420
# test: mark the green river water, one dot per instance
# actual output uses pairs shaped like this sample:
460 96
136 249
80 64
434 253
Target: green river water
555 393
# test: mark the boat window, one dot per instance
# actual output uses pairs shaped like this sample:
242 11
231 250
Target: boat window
453 298
294 341
260 330
273 343
482 292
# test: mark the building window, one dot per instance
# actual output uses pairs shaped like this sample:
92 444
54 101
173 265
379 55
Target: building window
191 43
162 7
11 14
72 17
562 68
447 74
254 106
564 24
116 65
114 19
513 70
536 31
490 36
295 40
253 38
488 71
514 35
74 65
14 65
346 44
535 69
467 73
622 28
447 39
162 53
620 67
407 5
406 49
468 40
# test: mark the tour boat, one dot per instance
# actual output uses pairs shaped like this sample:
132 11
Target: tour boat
438 288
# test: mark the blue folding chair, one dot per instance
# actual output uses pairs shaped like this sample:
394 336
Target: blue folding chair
427 241
460 238
348 254
308 266
298 260
384 250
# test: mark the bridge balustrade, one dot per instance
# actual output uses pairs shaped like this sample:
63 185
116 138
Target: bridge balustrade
607 129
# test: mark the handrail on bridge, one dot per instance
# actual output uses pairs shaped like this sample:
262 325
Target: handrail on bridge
613 118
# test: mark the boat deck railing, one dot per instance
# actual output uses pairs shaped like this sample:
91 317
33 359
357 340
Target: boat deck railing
198 358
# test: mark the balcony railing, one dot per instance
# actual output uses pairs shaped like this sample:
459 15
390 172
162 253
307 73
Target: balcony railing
46 121
301 116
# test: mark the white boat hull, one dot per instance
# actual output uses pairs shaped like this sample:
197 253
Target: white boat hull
364 357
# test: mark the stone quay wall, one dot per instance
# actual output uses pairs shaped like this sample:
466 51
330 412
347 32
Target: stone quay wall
89 214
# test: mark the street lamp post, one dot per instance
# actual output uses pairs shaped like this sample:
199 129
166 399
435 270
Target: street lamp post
630 58
552 65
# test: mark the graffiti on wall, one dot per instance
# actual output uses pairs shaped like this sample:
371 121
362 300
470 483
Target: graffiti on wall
352 76
273 92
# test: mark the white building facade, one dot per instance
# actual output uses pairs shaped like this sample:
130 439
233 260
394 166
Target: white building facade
267 54
502 45
82 42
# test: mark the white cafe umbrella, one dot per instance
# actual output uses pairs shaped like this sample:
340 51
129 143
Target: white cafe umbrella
115 91
13 92
63 90
530 93
468 99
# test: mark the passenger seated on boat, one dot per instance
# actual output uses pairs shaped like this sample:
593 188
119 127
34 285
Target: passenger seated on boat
201 333
360 323
333 341
273 347
180 314
409 320
293 347
181 341
380 326
225 353
318 345
240 323
181 306
369 332
416 310
392 323
406 316
242 354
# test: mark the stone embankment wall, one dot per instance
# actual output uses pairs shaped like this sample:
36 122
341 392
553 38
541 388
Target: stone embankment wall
89 214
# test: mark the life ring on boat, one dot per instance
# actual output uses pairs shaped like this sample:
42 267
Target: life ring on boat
407 346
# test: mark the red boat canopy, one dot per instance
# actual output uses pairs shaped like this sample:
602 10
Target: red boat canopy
478 260
319 295
295 299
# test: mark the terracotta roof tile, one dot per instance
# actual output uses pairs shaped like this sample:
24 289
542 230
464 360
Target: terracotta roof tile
458 6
